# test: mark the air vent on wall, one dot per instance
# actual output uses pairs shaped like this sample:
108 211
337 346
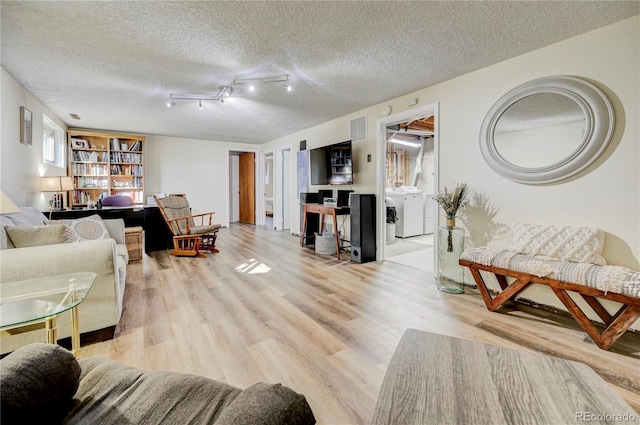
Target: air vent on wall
75 116
359 129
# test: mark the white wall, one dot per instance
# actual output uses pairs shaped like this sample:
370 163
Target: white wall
21 166
605 195
195 167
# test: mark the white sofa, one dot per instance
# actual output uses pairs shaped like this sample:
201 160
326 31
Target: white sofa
107 258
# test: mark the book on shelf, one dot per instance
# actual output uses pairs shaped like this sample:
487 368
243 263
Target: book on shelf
135 146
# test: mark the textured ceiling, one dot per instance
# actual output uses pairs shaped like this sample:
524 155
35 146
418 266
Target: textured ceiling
115 63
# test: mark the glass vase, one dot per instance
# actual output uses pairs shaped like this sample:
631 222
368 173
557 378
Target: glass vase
450 273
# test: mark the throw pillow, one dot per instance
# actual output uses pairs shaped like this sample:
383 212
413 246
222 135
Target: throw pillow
38 382
25 236
85 229
566 243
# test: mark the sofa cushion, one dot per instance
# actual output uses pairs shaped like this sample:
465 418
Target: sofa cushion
114 393
85 228
38 382
28 216
25 236
267 404
565 243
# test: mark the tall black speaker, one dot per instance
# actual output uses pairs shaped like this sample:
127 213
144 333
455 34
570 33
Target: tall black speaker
363 227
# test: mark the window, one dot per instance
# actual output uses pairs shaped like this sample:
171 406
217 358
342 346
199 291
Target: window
53 146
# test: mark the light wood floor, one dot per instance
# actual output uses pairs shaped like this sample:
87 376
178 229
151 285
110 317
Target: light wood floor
264 309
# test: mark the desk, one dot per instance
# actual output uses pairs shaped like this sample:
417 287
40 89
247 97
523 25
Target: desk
323 210
436 379
35 303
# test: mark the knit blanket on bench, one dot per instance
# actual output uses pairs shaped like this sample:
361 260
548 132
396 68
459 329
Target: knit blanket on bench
616 279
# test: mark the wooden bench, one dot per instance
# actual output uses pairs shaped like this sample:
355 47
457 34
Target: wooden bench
615 325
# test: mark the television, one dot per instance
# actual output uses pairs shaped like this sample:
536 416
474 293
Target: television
332 164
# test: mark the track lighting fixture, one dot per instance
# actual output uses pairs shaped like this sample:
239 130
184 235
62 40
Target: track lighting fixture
228 90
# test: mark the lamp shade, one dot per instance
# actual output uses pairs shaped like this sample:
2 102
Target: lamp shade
6 205
56 184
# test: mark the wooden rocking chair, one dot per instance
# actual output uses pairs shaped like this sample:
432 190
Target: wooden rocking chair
189 238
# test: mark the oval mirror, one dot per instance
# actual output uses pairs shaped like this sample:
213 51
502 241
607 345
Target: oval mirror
547 129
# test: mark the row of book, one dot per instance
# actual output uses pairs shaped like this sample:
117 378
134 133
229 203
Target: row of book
88 156
135 182
82 197
136 195
88 182
119 145
89 169
127 170
127 158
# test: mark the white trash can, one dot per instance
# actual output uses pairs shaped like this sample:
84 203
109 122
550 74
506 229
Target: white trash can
391 220
391 233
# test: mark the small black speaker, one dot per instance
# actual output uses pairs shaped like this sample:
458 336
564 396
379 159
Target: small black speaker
343 197
324 193
303 145
363 227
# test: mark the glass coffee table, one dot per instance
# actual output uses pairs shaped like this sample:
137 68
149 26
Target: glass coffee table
31 304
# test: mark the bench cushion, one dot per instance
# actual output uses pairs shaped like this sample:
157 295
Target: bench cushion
566 243
616 279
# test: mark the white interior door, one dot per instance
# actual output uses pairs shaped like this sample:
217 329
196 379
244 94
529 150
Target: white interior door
287 192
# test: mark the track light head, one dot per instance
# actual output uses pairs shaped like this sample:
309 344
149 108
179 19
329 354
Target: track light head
224 102
170 102
252 87
200 104
228 91
287 87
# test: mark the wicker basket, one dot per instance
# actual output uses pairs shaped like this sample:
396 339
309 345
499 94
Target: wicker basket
325 245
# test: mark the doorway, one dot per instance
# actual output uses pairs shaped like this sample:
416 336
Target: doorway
266 207
283 188
241 186
407 146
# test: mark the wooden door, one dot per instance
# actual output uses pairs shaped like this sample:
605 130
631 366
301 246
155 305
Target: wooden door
247 188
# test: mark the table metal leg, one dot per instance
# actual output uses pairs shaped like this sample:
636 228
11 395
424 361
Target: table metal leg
75 332
51 331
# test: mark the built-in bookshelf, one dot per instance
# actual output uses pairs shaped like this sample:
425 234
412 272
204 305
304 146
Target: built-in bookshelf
103 163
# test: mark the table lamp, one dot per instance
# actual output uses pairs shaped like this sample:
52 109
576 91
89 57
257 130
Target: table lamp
56 184
6 205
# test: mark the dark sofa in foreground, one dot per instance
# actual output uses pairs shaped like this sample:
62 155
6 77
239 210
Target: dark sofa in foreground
44 383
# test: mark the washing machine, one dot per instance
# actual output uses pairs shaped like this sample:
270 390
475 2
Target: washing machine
410 210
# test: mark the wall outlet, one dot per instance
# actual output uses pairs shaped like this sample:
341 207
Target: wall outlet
412 102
